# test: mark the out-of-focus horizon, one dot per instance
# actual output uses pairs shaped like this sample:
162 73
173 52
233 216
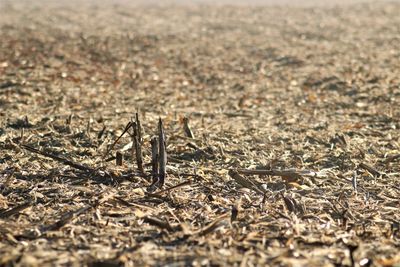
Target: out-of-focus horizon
200 2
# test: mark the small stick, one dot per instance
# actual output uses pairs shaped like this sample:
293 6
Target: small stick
118 157
66 218
139 128
127 127
15 210
392 158
186 128
162 151
234 213
139 143
100 134
69 119
71 215
58 158
137 147
199 150
88 128
213 225
172 187
154 158
158 222
370 169
244 181
285 173
354 181
290 203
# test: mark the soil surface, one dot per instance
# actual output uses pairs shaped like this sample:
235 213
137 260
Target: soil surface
292 157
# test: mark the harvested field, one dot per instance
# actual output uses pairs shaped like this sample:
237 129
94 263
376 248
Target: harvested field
281 126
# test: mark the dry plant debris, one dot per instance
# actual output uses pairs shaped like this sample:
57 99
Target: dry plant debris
279 141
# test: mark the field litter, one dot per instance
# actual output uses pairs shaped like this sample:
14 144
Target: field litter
279 131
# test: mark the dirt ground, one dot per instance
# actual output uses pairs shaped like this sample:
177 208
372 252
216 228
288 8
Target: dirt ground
295 158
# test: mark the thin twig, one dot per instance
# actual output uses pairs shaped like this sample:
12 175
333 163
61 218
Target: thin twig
284 173
58 158
127 127
172 187
370 169
163 224
67 218
15 210
186 128
245 182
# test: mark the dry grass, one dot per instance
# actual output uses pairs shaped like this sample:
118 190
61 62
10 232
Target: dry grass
308 95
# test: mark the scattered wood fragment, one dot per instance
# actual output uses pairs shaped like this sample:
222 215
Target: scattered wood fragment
200 153
172 187
66 218
290 203
71 215
127 127
354 181
162 153
154 158
245 182
370 169
137 143
59 159
186 127
133 204
118 158
16 209
163 224
295 174
101 133
234 213
217 223
392 158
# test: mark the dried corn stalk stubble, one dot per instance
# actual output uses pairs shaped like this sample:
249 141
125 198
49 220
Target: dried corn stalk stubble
304 112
